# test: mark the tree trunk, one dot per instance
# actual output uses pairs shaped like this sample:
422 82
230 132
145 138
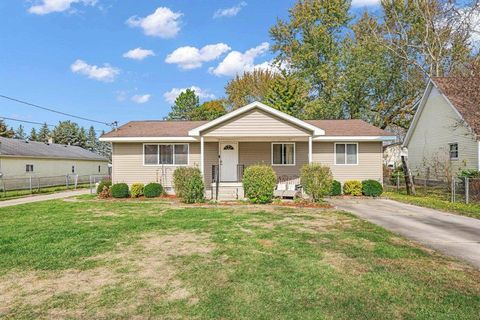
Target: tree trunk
408 177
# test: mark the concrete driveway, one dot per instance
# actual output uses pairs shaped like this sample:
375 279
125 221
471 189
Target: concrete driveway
453 235
43 197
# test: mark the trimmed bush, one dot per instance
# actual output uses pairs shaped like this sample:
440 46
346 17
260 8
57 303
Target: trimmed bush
120 190
352 187
136 190
194 189
336 188
181 176
372 188
153 190
104 183
105 193
259 183
316 180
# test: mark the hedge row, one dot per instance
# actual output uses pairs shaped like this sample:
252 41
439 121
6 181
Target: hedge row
121 190
369 188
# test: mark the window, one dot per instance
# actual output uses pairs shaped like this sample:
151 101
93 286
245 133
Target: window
29 168
165 154
346 153
99 169
73 169
228 147
283 154
453 151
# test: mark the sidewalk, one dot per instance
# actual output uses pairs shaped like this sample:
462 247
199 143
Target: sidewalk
44 197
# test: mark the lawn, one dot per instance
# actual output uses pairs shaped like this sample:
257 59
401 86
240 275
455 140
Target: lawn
14 194
87 258
431 201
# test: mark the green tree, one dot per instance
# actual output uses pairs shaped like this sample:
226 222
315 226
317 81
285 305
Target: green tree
4 131
209 110
104 148
33 135
44 133
184 105
288 94
82 137
310 43
20 133
249 87
67 132
92 141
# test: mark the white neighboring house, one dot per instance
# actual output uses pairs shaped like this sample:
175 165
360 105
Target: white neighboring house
22 158
443 137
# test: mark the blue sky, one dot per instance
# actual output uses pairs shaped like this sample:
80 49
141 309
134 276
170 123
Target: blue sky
121 60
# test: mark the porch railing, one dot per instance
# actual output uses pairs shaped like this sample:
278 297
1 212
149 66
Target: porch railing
216 173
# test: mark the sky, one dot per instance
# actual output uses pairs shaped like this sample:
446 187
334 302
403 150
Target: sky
122 60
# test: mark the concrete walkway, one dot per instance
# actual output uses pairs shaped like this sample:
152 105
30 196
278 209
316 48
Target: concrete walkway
43 197
453 235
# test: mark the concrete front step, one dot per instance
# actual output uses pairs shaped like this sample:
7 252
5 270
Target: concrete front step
226 191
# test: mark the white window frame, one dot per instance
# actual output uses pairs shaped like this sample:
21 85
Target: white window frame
294 155
28 166
158 154
335 154
450 152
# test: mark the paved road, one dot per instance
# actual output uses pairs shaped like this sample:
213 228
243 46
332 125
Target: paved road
453 235
43 197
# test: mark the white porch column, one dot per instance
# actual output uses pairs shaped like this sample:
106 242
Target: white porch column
202 162
310 149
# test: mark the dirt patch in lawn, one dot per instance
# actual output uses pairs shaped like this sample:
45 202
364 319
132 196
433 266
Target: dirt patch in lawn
341 263
149 261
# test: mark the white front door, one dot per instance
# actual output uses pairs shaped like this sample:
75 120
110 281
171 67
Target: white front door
228 161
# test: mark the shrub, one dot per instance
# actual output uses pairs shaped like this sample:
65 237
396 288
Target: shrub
153 190
259 183
316 180
469 173
120 190
194 189
397 174
103 183
352 187
105 193
372 188
136 190
181 176
336 188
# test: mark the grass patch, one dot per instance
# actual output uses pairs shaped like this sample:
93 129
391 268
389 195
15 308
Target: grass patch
15 194
114 259
470 210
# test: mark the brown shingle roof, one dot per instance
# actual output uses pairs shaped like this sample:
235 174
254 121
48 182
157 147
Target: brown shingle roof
152 128
464 94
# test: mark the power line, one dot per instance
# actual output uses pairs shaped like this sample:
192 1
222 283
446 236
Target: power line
34 122
113 124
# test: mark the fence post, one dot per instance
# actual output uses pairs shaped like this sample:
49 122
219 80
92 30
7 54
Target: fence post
398 182
453 189
467 189
30 183
66 181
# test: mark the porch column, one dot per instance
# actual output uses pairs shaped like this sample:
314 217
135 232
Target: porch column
202 162
310 149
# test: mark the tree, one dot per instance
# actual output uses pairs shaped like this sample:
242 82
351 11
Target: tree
82 137
67 132
92 142
4 131
209 110
20 133
33 135
44 133
288 94
310 43
249 87
104 149
184 105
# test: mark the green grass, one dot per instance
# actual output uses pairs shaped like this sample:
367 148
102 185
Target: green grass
248 262
14 194
429 201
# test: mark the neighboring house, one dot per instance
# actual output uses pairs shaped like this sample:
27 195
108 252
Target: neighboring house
23 158
443 137
146 151
392 154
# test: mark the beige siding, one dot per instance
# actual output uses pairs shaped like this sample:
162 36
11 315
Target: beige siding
256 124
261 153
369 165
437 126
15 167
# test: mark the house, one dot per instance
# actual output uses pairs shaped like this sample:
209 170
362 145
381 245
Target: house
23 158
443 136
146 151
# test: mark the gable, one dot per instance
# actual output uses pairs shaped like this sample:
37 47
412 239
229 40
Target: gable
256 123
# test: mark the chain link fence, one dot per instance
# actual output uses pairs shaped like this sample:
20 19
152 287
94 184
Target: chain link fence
17 186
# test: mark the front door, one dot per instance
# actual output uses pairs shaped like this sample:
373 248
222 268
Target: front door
228 161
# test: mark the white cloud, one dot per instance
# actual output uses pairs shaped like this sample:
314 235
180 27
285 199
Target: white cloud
191 57
237 62
171 95
141 98
138 54
48 6
106 73
163 23
365 3
229 12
